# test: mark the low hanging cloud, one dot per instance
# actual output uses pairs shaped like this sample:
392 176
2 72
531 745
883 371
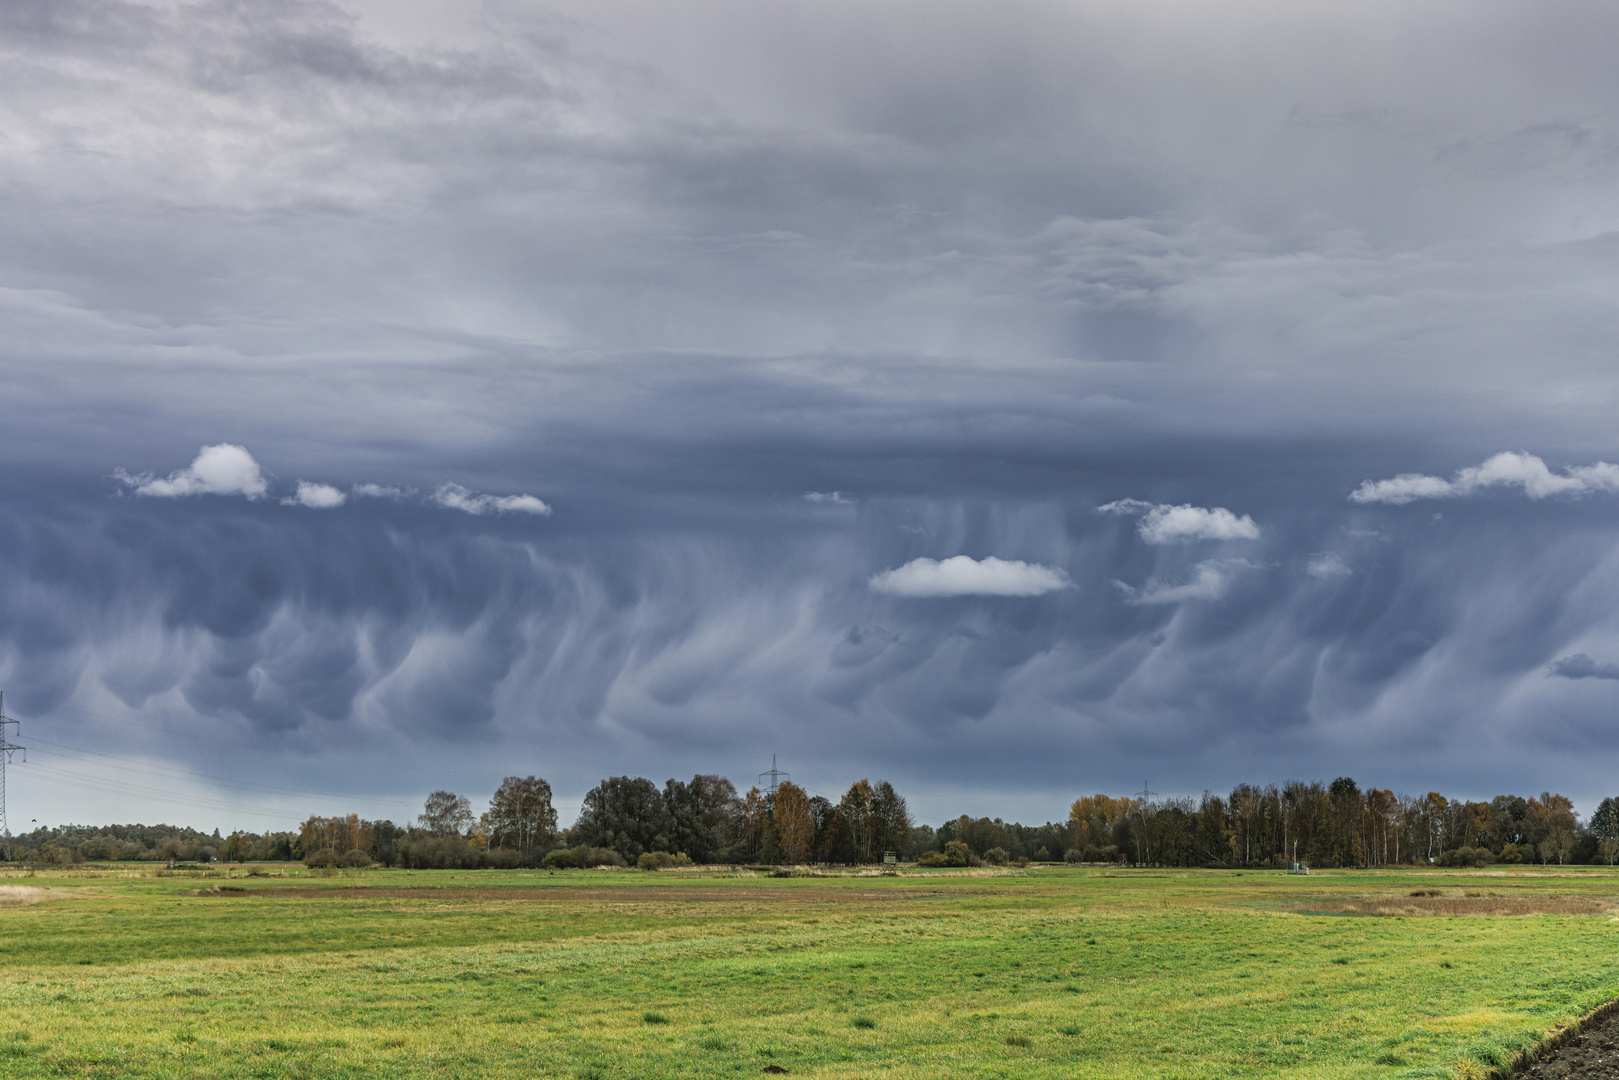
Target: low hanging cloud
316 496
1506 469
456 497
962 575
1209 582
379 491
1325 565
223 469
1162 523
1580 666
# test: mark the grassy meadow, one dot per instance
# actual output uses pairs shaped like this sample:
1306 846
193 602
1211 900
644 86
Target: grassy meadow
1052 972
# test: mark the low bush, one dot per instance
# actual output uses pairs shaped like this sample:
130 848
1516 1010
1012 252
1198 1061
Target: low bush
661 860
501 858
354 859
955 853
321 859
997 856
1091 853
582 857
600 856
1465 856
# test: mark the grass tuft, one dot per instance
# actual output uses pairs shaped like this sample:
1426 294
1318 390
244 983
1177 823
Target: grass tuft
864 1022
654 1018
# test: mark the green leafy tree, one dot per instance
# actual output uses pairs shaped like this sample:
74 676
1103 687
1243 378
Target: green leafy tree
703 816
628 815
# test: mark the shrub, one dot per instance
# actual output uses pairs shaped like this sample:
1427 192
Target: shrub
599 856
1467 856
661 860
581 857
355 859
321 859
997 856
501 858
1512 853
955 853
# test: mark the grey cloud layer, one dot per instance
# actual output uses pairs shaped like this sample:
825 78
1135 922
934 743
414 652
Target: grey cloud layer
768 302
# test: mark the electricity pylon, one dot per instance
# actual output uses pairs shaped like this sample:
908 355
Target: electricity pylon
7 748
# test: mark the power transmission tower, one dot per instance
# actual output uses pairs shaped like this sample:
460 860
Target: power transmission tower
1144 796
776 776
7 748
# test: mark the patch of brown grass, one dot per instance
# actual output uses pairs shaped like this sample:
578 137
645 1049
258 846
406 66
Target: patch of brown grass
23 895
572 895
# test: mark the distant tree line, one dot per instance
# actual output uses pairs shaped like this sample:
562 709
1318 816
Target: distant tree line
630 821
1340 825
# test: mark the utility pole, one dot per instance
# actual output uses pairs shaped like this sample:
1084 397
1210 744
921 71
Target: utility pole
7 748
776 776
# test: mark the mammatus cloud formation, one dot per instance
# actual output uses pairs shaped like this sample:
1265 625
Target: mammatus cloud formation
1506 469
682 264
224 469
1581 666
1164 524
456 497
963 575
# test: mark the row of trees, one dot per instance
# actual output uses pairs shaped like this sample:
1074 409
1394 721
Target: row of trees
624 819
703 819
1341 825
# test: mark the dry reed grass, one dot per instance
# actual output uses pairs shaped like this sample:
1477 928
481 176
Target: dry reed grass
23 895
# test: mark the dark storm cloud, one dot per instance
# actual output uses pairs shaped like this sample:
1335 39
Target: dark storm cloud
594 362
1580 666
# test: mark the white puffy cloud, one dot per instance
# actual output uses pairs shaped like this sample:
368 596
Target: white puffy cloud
316 496
965 576
223 469
1164 524
456 497
1506 469
836 498
1326 564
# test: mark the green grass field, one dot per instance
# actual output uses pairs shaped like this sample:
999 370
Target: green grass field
1050 973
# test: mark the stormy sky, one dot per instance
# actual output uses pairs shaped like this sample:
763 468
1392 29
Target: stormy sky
1010 400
